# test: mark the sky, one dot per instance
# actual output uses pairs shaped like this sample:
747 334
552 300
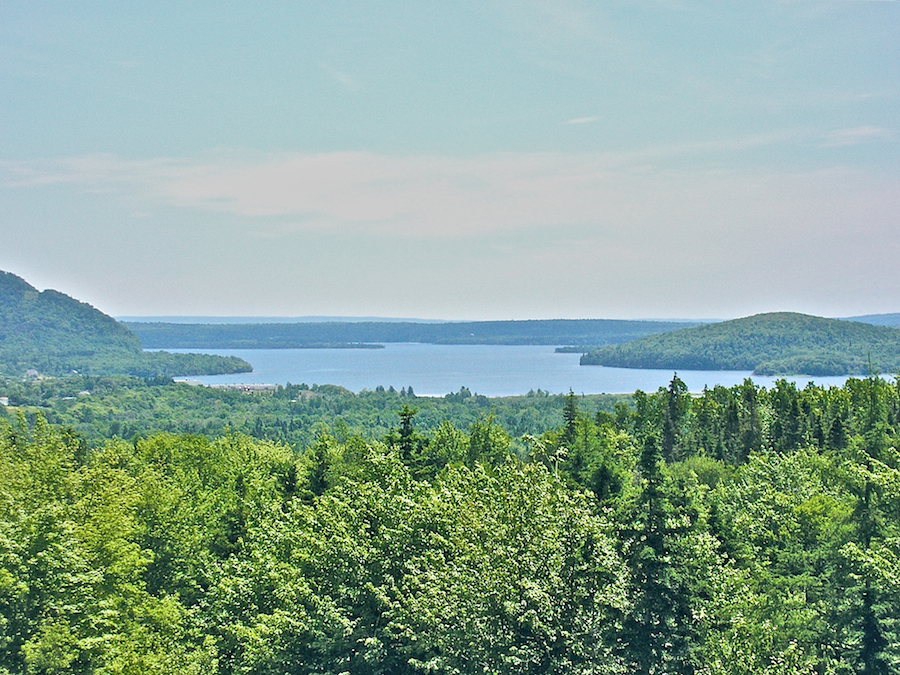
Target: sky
464 160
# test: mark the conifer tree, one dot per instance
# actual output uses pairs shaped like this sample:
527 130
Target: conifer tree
655 632
677 403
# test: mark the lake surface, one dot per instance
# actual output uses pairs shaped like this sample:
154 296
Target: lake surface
435 370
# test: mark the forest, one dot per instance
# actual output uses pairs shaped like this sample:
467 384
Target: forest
52 334
740 530
776 343
100 408
583 333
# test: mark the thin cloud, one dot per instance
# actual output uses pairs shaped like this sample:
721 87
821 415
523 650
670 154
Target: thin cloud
94 172
619 198
856 136
340 77
520 223
582 120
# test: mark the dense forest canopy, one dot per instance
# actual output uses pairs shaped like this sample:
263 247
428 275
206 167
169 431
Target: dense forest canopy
104 407
735 532
53 334
148 526
779 343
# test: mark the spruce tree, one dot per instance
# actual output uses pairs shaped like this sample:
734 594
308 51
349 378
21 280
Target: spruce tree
656 631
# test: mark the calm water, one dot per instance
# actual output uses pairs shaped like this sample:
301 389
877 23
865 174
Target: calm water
435 370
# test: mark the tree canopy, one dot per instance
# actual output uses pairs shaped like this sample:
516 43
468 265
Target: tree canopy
736 532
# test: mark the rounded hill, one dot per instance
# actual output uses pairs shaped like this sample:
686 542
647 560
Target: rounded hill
51 333
777 343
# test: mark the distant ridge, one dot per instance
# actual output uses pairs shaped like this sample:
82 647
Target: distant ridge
581 333
270 319
51 333
779 343
892 320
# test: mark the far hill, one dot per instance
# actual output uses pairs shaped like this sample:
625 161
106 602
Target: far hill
892 320
583 333
781 343
53 334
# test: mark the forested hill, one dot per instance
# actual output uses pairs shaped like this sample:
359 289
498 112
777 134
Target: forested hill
53 334
584 333
781 343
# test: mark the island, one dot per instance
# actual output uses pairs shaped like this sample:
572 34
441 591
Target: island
776 343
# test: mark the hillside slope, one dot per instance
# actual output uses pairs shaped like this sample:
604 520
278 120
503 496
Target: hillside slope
53 334
780 343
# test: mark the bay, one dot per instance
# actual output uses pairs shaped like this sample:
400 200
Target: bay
436 370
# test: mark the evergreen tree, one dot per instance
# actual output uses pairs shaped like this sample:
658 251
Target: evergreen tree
677 401
407 440
570 420
750 425
656 630
870 644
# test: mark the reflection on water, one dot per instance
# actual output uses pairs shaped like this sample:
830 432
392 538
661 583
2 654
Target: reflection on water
435 370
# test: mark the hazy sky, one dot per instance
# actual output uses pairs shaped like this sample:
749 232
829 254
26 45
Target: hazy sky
460 160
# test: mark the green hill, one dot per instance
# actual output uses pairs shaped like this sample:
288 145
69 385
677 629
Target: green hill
781 343
53 334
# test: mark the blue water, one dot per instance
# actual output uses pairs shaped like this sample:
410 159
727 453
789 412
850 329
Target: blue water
435 370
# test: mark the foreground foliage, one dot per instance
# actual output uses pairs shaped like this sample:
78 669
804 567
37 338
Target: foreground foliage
740 531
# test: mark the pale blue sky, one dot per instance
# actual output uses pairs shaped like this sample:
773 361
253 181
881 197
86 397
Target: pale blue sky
465 160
